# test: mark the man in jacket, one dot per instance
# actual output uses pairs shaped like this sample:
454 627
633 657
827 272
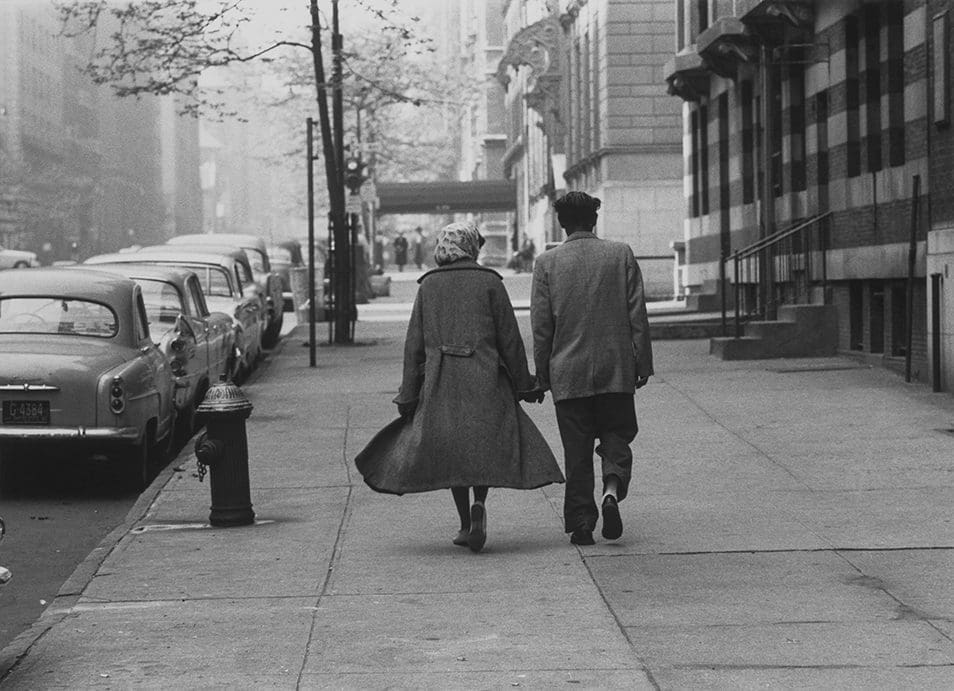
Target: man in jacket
592 351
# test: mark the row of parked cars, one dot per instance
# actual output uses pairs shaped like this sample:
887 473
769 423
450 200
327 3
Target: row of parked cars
113 356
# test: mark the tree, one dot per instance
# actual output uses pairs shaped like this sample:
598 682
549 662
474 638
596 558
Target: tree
165 46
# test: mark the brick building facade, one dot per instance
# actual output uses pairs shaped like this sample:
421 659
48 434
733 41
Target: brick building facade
844 136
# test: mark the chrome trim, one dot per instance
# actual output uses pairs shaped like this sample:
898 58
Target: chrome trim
26 433
28 387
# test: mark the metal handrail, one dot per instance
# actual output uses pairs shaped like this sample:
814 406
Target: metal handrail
785 268
775 238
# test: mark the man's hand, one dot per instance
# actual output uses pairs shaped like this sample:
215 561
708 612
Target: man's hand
532 396
407 409
641 382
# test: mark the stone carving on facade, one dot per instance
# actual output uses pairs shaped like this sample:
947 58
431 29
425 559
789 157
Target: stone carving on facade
537 46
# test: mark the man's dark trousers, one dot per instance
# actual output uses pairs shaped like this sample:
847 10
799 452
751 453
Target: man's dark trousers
611 418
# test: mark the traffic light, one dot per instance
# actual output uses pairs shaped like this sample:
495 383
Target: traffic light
354 175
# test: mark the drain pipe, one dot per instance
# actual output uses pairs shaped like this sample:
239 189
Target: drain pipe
912 258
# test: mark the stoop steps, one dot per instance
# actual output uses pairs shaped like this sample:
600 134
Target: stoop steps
800 331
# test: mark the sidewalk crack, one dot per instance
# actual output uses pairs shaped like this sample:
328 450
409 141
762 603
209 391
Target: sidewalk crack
335 551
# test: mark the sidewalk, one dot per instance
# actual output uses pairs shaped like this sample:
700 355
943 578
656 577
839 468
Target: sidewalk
789 525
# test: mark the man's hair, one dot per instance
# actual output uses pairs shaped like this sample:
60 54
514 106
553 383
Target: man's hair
577 209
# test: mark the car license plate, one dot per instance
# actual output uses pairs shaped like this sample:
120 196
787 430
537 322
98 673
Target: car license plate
26 412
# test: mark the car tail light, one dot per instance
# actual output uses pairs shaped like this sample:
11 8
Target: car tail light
117 395
177 345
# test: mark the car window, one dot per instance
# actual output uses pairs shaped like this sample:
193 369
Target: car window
142 322
280 255
162 300
256 259
57 315
196 298
244 275
214 280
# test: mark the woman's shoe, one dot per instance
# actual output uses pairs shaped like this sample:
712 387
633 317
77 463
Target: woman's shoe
462 537
478 528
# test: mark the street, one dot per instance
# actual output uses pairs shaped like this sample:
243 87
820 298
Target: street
787 527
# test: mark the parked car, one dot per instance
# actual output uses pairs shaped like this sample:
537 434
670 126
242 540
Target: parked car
200 344
5 574
17 259
269 281
219 275
284 257
244 271
79 370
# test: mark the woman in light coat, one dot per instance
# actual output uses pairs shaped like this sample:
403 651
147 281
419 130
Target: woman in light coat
465 370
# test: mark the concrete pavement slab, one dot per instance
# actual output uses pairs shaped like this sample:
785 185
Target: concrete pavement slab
737 589
530 629
711 522
484 679
918 579
411 552
170 644
809 644
843 678
286 554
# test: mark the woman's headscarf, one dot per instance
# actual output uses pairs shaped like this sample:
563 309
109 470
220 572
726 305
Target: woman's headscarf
457 241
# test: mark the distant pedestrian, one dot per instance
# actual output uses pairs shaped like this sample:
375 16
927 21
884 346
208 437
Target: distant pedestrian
465 370
592 351
418 244
400 251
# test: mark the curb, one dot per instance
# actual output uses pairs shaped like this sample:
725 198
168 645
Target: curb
74 586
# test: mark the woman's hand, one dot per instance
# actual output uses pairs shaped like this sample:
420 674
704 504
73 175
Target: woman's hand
407 409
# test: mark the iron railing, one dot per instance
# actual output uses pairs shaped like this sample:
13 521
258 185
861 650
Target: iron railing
787 267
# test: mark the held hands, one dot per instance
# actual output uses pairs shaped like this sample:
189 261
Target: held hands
641 382
532 396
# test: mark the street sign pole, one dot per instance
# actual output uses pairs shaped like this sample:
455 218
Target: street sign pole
309 136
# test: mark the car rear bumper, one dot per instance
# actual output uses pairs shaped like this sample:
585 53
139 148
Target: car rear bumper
59 434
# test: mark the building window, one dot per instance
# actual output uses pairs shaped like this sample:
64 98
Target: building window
894 19
796 90
852 97
872 19
748 143
694 163
821 130
775 117
680 25
704 159
702 9
941 65
587 98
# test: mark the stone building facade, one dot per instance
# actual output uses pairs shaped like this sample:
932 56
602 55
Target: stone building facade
587 113
806 113
81 171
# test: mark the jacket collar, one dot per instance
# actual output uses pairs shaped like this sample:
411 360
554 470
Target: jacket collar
462 265
581 235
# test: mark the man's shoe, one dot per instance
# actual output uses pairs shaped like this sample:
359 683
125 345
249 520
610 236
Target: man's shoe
478 528
582 536
612 524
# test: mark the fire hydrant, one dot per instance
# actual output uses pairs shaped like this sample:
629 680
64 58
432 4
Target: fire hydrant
223 447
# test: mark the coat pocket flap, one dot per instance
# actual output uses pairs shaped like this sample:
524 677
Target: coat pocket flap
457 350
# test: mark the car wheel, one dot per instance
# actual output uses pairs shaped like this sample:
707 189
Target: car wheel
21 265
185 424
274 331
